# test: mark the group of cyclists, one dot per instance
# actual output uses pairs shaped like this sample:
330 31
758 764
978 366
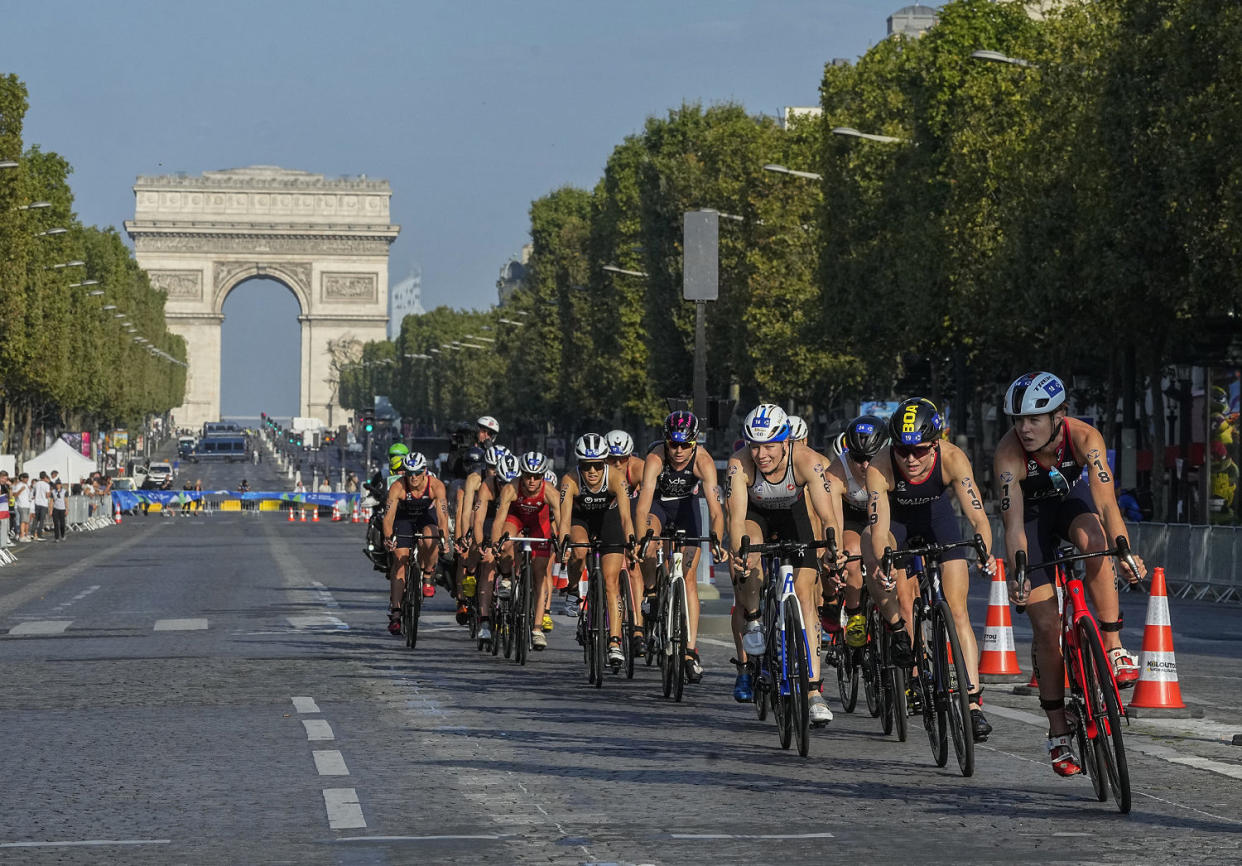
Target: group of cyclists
885 485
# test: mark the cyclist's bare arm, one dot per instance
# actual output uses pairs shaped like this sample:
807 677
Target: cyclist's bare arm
878 517
617 484
507 495
1089 443
737 479
651 471
554 513
962 477
810 467
390 511
705 468
439 494
569 489
466 498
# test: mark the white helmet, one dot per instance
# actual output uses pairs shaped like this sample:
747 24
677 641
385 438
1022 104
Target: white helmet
797 428
766 423
550 476
493 454
535 463
508 467
415 463
620 443
487 422
838 446
1034 394
591 446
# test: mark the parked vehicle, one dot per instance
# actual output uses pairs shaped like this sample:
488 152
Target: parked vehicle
227 449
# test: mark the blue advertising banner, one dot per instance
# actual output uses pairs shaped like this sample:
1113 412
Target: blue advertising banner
127 499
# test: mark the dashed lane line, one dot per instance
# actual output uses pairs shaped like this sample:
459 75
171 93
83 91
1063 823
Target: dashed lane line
305 705
318 621
85 843
41 626
330 762
196 624
317 729
344 810
81 595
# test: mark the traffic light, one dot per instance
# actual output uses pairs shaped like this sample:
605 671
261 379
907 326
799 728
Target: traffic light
368 423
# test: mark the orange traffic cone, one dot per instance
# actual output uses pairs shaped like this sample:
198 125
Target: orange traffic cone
291 517
997 660
356 518
336 511
315 514
1157 688
303 510
117 515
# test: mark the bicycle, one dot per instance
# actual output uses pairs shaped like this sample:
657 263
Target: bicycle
520 613
1093 706
847 660
668 625
593 624
942 683
782 676
412 594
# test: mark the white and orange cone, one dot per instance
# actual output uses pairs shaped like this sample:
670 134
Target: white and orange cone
1157 687
117 515
998 662
291 517
357 514
336 512
303 510
315 514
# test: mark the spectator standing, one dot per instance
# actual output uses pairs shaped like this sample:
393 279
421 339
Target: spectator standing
351 483
42 499
60 505
4 508
23 496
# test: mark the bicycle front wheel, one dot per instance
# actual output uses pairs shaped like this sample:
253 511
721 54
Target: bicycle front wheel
798 671
522 603
935 702
680 624
954 685
871 662
599 616
901 709
1104 706
847 672
627 624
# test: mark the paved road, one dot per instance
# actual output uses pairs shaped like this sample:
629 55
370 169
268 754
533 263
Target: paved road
220 689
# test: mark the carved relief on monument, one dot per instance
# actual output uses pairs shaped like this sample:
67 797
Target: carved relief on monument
152 243
181 285
296 274
349 288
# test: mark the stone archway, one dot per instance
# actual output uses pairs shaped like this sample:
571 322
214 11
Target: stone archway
326 239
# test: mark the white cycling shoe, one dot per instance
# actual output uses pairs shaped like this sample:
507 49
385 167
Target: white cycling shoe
485 633
820 714
753 641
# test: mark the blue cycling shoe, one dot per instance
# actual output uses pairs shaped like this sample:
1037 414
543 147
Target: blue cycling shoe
743 690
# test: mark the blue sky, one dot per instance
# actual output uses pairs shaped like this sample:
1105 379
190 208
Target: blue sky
469 109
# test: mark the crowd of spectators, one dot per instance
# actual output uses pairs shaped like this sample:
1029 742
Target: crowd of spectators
36 509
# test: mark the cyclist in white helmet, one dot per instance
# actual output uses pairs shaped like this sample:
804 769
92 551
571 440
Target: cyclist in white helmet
1039 469
765 484
416 506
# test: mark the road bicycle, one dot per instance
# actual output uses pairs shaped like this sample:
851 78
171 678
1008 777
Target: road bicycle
781 675
519 612
1093 705
942 682
593 620
847 660
412 595
668 623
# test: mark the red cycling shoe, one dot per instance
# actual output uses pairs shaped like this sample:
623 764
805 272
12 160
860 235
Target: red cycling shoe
394 621
429 588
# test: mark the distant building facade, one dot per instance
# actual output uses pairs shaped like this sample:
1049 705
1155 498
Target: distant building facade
404 299
912 21
512 273
792 113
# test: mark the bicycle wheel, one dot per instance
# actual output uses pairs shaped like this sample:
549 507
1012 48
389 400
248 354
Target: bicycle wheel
522 602
506 608
927 683
799 674
846 664
951 663
759 684
1101 695
782 706
651 620
627 625
498 623
871 662
677 640
599 617
1075 710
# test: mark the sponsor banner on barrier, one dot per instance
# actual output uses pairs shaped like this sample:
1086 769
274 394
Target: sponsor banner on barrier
127 499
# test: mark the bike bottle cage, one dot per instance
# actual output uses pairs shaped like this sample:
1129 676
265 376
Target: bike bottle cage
1113 626
1058 704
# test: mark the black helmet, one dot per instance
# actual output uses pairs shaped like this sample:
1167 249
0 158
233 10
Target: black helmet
865 436
681 426
915 421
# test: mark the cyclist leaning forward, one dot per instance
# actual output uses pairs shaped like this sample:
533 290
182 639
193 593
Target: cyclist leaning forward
862 440
595 503
416 505
486 497
1044 456
621 460
766 483
526 509
909 484
673 474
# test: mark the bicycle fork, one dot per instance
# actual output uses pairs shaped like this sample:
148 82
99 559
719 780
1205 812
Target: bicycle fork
787 592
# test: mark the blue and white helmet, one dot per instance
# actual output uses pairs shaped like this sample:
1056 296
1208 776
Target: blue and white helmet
415 464
508 467
535 463
797 428
1034 394
550 477
766 423
493 454
620 443
591 446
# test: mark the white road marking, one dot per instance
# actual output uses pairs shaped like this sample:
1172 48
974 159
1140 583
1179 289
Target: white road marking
85 843
317 621
181 624
81 595
317 729
41 626
344 811
325 597
750 836
417 838
305 705
329 762
710 640
1133 744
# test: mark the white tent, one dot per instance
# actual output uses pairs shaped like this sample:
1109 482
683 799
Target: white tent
62 457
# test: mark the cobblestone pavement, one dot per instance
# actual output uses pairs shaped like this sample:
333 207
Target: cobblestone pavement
221 690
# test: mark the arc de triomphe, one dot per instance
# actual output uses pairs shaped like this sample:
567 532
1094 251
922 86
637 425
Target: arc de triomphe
327 240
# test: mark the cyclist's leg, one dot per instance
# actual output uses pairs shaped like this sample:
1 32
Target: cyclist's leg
889 601
542 588
689 570
805 583
955 580
396 575
655 522
611 565
1087 534
853 572
746 588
